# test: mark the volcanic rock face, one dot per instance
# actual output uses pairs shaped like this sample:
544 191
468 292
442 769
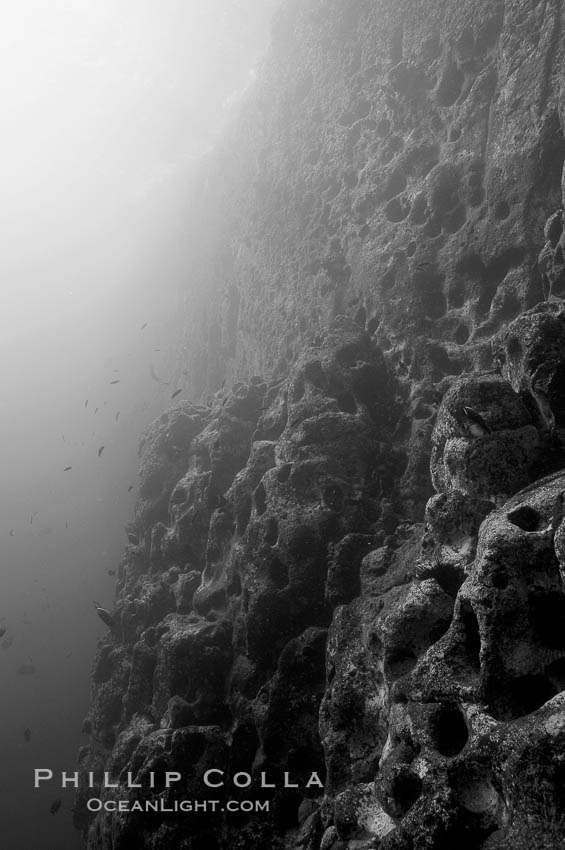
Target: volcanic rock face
355 567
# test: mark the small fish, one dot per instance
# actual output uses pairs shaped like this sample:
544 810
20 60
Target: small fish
176 393
26 670
111 572
100 450
117 415
130 488
86 403
117 381
34 514
475 422
27 735
7 642
144 325
3 631
66 523
11 532
55 806
66 469
104 615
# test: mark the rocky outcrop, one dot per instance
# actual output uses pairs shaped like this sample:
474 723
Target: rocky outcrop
354 567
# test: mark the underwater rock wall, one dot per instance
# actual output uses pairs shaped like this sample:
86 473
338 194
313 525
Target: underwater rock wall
354 564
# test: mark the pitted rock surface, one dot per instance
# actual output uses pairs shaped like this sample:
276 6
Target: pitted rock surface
355 564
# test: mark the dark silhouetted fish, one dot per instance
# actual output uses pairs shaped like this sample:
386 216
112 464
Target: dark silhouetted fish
11 532
26 670
130 488
100 450
111 572
117 381
66 469
55 806
104 615
27 735
176 392
86 403
117 415
144 325
3 631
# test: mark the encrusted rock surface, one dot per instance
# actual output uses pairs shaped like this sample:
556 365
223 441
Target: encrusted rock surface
355 566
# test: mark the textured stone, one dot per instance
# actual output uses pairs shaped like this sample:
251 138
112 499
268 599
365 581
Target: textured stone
381 237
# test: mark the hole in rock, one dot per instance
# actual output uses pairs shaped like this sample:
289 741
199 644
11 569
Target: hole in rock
388 280
448 729
437 631
461 334
501 265
178 495
434 304
297 390
450 86
524 517
514 348
400 661
278 573
500 578
488 34
397 210
487 293
547 617
346 403
522 696
411 249
333 497
406 789
455 220
471 634
448 577
271 532
283 474
502 210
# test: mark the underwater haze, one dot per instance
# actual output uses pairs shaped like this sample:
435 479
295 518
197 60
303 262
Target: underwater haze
107 106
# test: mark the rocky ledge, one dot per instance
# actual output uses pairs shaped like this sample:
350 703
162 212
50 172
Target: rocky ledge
278 614
354 568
